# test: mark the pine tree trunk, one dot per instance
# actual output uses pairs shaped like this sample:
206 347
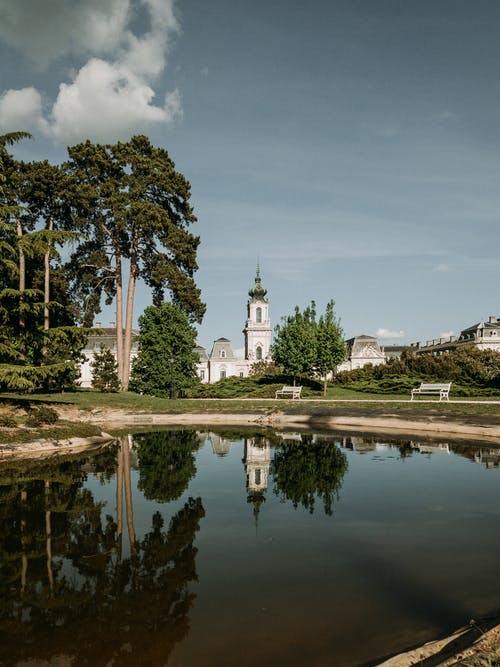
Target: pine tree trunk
46 290
119 319
130 310
22 287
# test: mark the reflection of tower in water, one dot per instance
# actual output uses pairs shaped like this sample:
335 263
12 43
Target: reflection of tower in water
257 459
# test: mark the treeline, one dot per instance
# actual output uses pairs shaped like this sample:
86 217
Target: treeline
77 233
469 368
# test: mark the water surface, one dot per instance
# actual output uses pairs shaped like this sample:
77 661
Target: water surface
190 548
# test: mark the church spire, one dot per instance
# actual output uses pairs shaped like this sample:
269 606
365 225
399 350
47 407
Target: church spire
257 292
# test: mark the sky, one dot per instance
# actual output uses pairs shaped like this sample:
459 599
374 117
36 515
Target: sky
350 147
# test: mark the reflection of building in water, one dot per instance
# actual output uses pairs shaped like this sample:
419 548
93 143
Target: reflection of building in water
257 460
489 457
424 448
358 444
220 445
296 437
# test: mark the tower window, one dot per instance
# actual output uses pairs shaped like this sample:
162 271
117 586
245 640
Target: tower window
222 354
258 352
258 315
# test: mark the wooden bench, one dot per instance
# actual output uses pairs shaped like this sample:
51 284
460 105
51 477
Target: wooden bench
288 392
443 390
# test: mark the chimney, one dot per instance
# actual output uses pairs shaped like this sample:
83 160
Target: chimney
453 339
97 325
112 325
492 319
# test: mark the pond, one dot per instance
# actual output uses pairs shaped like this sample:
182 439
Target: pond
196 548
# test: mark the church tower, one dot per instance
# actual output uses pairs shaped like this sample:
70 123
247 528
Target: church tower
257 329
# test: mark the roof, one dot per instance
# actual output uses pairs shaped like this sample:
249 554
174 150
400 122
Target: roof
222 350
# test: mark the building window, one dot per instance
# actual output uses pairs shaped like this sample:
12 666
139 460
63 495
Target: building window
258 353
258 477
241 374
202 375
222 354
258 315
223 375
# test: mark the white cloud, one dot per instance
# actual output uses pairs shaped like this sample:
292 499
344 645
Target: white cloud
441 268
389 333
22 110
106 102
108 99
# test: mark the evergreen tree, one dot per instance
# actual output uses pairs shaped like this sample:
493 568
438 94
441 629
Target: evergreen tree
33 356
166 362
133 206
105 371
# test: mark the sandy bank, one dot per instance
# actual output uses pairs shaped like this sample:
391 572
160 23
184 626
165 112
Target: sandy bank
471 645
43 448
389 424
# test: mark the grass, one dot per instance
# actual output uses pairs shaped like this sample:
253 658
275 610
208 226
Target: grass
351 402
61 431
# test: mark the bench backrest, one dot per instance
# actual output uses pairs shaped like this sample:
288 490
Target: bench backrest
426 385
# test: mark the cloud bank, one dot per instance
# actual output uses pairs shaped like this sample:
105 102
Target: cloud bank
111 95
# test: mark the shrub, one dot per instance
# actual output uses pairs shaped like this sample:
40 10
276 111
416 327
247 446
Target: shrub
42 415
105 371
7 421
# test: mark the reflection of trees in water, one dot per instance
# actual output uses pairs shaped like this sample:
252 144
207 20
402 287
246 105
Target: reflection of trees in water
65 587
308 469
166 463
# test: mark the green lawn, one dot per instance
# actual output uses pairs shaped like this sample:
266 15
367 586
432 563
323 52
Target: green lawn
349 402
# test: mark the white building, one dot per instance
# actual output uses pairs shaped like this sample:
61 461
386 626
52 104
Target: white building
222 362
106 337
361 351
485 335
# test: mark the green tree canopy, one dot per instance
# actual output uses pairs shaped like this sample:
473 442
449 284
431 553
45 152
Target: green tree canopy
166 357
134 206
104 370
305 346
330 345
294 346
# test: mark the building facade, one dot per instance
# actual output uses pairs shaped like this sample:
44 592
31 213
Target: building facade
222 362
105 337
361 351
485 335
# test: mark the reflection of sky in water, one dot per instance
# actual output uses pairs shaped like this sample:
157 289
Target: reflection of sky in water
410 550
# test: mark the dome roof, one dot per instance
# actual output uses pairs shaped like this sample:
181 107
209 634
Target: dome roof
257 292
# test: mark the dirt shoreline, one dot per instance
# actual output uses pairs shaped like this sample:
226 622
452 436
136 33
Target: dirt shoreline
390 424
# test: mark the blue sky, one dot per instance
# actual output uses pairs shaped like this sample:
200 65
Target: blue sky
352 147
